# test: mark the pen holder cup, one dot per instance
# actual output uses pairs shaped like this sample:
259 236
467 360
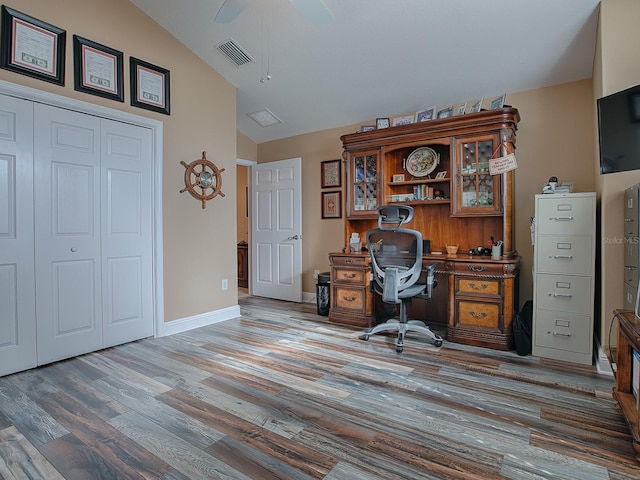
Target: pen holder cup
496 252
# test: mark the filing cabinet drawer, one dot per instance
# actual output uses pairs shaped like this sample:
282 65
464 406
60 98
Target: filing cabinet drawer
560 215
631 251
565 293
631 276
563 331
344 275
568 254
629 297
478 286
631 212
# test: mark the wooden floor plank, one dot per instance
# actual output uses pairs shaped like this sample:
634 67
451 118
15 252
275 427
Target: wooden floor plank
280 392
20 459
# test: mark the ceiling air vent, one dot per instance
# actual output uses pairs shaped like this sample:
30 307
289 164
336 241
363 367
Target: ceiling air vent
234 52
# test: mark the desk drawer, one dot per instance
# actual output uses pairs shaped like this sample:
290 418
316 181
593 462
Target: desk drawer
478 314
349 298
479 267
562 331
349 260
344 275
478 286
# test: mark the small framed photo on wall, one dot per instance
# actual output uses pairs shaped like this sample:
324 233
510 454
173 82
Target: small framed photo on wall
149 86
32 47
332 204
330 174
98 69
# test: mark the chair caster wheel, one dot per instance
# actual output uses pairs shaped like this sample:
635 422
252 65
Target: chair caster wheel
365 337
399 349
438 343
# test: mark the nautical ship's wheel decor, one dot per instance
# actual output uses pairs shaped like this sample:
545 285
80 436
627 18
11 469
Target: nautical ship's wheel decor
203 179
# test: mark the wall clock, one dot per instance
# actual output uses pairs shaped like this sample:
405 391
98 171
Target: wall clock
202 179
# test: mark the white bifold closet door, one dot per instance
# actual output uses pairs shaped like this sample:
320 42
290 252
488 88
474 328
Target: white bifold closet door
17 286
93 232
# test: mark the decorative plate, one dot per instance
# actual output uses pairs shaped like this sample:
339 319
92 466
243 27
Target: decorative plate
422 161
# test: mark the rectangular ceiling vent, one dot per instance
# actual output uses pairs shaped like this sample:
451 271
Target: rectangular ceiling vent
234 52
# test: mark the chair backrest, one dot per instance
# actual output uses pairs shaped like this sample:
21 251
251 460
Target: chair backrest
396 252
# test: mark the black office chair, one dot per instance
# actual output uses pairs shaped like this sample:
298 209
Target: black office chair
396 265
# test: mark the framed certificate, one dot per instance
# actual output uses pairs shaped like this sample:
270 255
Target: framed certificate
32 47
98 69
149 86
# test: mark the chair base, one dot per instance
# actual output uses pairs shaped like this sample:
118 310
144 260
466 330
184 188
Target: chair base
402 328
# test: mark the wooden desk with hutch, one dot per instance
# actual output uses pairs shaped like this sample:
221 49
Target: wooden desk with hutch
477 296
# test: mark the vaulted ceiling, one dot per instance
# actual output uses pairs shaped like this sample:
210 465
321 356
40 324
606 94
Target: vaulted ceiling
382 58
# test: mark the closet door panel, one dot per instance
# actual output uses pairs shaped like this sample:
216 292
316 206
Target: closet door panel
17 277
67 233
127 227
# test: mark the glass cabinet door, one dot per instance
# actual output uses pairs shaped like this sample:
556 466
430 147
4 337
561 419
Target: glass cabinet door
477 192
363 182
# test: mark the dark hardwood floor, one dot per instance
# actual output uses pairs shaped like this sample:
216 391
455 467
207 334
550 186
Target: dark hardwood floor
281 393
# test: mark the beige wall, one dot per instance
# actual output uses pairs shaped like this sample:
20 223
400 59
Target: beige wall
617 67
193 238
555 137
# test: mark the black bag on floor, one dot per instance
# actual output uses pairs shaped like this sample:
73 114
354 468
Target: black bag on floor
522 326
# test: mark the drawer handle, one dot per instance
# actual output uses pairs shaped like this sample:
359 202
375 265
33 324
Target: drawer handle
477 268
475 315
561 219
560 295
348 260
565 257
560 334
630 268
349 275
478 287
349 299
629 220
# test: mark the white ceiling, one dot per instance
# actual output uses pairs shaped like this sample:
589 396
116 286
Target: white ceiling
382 58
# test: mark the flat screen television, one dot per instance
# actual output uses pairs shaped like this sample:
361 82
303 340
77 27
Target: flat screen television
619 131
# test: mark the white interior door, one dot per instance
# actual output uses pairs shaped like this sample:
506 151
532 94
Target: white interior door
127 236
17 277
276 230
67 233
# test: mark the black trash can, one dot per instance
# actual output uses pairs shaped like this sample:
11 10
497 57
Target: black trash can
323 291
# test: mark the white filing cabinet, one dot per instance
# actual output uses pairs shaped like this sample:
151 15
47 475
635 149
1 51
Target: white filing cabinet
630 247
564 275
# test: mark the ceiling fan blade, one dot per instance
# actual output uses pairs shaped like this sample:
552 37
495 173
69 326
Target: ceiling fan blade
230 9
313 10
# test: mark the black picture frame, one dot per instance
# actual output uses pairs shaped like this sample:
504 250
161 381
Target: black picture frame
150 88
98 69
32 47
332 204
330 174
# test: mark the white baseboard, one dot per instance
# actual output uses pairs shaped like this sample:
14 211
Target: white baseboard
201 320
603 365
308 297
